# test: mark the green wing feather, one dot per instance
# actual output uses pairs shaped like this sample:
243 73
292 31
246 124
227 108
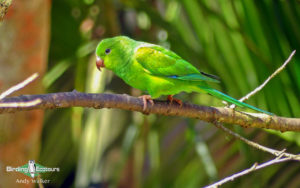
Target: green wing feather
159 61
195 77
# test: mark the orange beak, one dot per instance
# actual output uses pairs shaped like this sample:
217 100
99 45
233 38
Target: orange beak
99 63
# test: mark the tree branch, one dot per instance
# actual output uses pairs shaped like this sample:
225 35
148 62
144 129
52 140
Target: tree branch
256 145
16 88
19 86
255 167
269 78
125 102
277 153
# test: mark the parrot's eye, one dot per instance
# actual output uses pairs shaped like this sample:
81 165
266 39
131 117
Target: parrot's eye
107 51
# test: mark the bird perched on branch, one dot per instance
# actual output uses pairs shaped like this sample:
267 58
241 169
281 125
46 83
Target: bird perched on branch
157 70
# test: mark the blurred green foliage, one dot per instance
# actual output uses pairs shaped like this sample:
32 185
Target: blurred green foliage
242 42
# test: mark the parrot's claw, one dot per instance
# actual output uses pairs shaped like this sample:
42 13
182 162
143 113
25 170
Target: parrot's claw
171 99
145 99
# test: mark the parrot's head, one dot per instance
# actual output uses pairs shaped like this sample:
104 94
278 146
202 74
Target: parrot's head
112 53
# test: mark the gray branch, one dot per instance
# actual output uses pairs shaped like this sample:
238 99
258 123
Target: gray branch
126 102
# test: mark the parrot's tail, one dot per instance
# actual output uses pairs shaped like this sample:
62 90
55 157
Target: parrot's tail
227 98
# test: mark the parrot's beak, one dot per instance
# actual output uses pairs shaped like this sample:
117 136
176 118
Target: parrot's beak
99 63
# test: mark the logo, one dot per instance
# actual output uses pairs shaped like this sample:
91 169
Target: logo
31 169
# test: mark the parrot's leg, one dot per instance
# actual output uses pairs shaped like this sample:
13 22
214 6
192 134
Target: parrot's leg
171 99
145 99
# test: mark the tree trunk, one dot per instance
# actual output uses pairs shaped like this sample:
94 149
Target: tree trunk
24 39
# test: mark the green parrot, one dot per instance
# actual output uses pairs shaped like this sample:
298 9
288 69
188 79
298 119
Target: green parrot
157 70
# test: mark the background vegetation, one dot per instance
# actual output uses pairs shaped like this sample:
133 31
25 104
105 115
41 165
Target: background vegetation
242 42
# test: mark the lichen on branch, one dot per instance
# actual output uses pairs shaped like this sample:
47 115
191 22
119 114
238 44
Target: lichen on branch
4 5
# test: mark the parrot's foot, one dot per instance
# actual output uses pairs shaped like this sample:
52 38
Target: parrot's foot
145 99
171 99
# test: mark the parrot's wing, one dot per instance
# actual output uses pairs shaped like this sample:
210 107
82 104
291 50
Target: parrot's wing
159 61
